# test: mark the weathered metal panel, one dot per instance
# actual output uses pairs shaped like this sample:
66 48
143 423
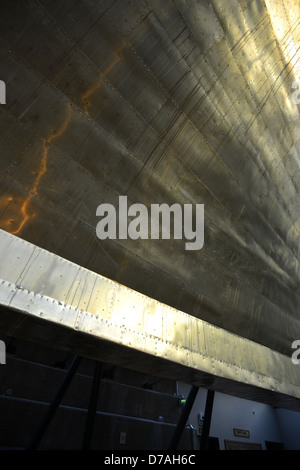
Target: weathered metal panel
44 286
162 101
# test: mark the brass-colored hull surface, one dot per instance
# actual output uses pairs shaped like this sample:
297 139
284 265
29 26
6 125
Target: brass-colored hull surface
162 101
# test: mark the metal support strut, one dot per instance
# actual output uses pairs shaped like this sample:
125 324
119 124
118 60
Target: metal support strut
207 419
87 438
184 417
54 405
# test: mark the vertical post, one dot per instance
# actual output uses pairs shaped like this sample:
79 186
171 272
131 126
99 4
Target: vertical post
54 404
87 438
207 419
183 417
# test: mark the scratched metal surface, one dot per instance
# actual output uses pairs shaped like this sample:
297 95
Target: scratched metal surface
49 291
162 101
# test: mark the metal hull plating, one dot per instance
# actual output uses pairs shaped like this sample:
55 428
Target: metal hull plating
164 102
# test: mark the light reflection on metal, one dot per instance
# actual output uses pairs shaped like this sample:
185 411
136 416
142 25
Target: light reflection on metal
285 17
44 286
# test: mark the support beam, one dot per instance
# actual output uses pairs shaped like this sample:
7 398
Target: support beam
184 417
207 419
33 445
88 434
48 299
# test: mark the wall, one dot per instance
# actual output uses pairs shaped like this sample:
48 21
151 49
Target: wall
289 424
262 421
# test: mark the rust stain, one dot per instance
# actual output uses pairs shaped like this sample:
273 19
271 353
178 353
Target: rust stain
87 95
86 98
24 211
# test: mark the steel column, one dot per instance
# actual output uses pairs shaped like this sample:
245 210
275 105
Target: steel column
184 417
54 404
92 407
207 419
